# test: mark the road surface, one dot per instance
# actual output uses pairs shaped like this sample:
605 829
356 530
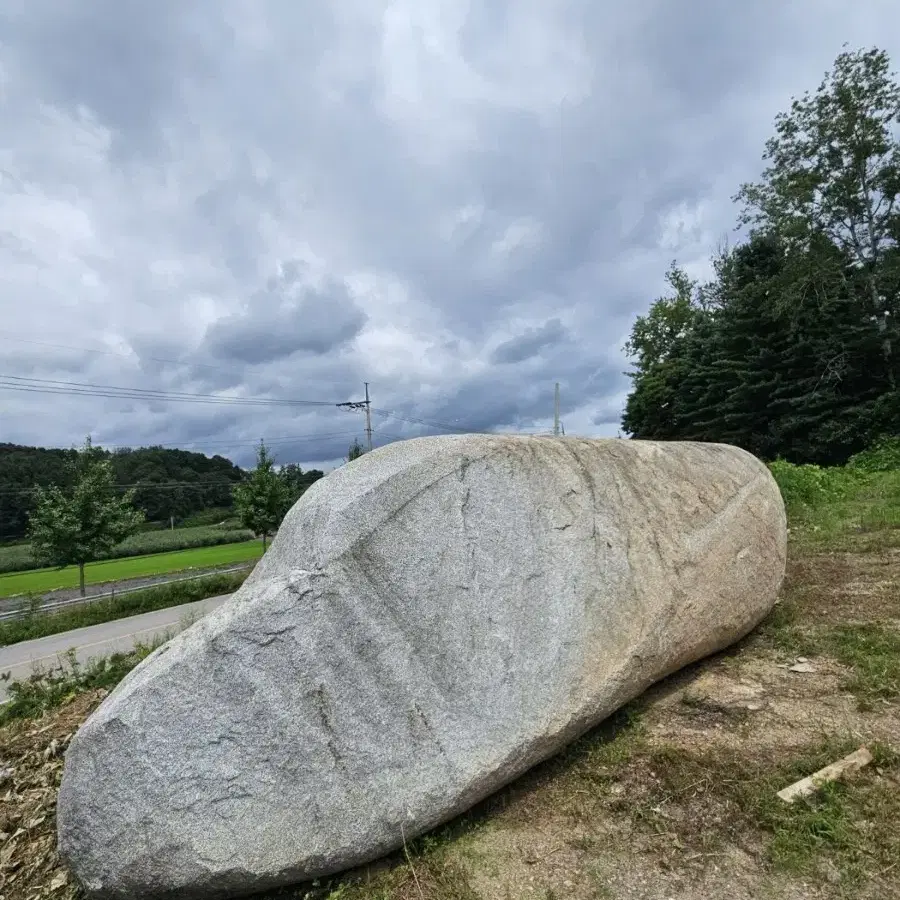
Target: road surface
99 640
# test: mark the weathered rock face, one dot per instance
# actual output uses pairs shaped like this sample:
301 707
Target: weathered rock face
432 620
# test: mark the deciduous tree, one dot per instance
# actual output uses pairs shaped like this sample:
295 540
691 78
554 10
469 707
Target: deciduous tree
78 524
262 500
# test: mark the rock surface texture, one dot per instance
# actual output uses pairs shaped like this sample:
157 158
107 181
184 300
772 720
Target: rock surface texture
432 620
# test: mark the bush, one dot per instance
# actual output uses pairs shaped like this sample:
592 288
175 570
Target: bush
217 515
882 456
808 487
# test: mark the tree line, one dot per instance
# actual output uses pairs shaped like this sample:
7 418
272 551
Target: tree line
791 350
168 484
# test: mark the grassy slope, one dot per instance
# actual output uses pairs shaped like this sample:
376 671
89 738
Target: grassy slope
42 580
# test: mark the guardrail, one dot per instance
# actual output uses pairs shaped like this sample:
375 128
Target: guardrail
9 614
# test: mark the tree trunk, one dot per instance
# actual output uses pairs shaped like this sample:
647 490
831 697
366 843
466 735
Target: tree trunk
883 326
264 542
81 578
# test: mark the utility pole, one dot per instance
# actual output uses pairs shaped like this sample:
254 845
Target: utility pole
368 419
364 405
556 410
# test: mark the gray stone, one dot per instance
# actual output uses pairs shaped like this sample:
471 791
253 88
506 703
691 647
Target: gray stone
432 620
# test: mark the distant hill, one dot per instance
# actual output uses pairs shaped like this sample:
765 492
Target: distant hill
168 482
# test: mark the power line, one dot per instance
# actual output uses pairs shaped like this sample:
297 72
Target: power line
188 445
51 385
148 485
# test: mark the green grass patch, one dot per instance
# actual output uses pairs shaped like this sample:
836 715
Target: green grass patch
37 624
40 581
849 507
870 650
18 558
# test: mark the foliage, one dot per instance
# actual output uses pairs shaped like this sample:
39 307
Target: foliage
882 456
44 691
43 580
75 527
296 481
167 482
18 557
262 499
807 487
787 352
216 515
38 624
356 450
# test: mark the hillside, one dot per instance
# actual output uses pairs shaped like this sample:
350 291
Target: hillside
169 482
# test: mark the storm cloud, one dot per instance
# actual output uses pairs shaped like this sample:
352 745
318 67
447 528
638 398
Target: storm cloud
460 204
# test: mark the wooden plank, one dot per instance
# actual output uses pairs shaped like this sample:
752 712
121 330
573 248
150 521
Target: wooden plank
852 763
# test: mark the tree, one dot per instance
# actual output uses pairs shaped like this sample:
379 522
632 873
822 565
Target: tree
654 336
356 450
296 481
834 170
262 500
76 525
657 344
167 482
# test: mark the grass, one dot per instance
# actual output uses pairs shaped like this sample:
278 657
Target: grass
48 690
841 507
37 624
43 580
733 795
870 650
18 558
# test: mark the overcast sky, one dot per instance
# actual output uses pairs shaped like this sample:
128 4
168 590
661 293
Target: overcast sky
460 203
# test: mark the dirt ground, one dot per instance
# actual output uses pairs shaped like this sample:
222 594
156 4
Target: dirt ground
674 799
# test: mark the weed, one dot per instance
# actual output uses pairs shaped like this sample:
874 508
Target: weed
707 799
882 456
44 691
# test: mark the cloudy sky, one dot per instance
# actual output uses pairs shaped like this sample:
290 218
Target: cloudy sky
277 200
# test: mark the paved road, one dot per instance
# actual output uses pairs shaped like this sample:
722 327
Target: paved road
99 640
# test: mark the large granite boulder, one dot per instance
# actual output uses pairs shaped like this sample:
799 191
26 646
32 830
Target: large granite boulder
432 620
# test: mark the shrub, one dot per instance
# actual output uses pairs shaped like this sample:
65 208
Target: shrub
882 456
215 516
807 487
44 691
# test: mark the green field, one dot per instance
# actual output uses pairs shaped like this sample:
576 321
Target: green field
18 558
43 580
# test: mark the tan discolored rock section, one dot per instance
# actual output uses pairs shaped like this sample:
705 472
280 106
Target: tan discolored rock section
431 621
